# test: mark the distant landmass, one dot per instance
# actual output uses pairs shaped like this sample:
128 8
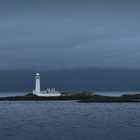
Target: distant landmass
73 80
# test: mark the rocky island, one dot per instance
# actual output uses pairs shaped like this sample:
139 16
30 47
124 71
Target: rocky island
84 97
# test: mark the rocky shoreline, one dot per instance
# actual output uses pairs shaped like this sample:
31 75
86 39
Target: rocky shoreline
110 99
80 97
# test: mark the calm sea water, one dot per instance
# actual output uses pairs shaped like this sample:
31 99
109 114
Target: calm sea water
69 120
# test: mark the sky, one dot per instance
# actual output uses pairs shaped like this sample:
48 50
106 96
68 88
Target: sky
69 34
74 44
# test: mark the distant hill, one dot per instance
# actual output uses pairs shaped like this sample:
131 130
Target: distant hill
74 80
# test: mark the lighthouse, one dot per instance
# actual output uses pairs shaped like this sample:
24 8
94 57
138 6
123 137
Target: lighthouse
37 83
46 93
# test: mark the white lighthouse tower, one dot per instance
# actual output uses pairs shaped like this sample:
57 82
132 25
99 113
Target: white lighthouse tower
37 83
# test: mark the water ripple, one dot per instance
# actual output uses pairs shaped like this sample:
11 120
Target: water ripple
68 120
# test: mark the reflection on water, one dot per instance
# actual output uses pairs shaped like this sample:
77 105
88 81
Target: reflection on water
68 120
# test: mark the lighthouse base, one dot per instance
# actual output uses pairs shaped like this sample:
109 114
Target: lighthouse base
47 93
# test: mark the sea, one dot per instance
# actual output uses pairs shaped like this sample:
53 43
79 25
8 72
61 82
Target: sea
68 120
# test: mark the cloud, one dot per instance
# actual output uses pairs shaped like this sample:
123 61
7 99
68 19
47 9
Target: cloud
78 34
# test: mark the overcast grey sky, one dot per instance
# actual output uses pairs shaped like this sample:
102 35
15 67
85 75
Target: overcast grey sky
67 34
